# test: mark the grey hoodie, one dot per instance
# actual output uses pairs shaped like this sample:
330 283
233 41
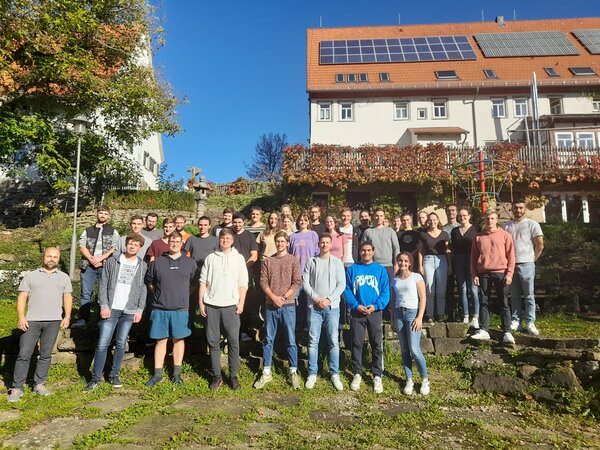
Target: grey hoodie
108 283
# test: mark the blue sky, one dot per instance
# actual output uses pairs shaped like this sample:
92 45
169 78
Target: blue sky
241 65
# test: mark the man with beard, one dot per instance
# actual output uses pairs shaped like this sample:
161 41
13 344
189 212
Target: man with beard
528 239
45 292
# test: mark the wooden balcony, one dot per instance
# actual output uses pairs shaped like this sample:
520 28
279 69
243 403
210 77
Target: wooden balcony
331 165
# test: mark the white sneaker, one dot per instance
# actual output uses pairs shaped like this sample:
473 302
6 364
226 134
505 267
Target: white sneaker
532 329
337 383
465 319
409 387
263 380
425 388
508 339
377 385
310 382
481 335
355 385
515 325
475 323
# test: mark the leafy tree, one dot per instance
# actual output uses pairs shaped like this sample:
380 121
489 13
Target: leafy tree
268 158
167 182
60 58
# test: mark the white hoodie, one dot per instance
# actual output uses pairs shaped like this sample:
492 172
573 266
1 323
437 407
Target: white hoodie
224 274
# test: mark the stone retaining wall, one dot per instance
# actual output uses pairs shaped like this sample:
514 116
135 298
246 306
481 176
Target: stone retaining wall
542 366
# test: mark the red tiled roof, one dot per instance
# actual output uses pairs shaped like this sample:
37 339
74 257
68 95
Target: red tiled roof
511 71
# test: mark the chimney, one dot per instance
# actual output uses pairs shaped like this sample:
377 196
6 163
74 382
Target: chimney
500 21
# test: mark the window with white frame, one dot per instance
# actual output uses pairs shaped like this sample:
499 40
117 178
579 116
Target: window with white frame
564 139
324 111
498 108
346 111
555 105
401 111
440 109
521 109
421 113
596 103
585 140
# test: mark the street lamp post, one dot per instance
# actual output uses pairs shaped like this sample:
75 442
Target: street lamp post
79 126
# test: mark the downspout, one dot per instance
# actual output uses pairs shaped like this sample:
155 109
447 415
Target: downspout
474 116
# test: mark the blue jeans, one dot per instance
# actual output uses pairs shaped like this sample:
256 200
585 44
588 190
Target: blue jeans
436 277
522 300
122 322
330 318
286 316
89 277
410 341
462 270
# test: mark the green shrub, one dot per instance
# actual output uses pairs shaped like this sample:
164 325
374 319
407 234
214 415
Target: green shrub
166 200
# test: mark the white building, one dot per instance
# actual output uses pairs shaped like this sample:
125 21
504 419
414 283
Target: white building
467 83
463 84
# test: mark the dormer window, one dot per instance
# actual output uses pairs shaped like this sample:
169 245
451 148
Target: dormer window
551 72
446 75
363 78
352 78
490 74
582 71
384 77
340 78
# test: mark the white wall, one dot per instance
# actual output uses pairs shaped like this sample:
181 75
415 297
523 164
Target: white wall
373 121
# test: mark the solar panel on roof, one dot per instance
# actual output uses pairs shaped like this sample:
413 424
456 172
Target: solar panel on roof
589 38
526 43
430 48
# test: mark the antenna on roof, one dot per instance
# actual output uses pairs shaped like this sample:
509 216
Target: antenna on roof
399 19
320 21
514 14
482 18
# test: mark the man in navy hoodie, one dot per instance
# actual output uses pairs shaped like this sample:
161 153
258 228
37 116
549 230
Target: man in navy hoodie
169 278
367 295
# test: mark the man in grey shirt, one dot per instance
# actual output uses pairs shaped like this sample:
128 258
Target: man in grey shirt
44 291
386 246
324 282
528 240
150 229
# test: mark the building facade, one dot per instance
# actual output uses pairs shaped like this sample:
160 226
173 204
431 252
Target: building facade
466 84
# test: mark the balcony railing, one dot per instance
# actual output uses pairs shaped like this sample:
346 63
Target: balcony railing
331 164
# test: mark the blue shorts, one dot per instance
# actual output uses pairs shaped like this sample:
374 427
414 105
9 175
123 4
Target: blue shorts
169 324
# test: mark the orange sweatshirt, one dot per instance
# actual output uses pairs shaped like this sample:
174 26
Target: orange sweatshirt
493 251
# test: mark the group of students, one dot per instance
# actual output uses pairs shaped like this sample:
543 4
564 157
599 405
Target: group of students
303 275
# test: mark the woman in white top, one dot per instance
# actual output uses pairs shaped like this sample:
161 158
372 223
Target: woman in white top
408 320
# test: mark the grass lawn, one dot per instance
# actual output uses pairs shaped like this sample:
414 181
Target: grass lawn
169 416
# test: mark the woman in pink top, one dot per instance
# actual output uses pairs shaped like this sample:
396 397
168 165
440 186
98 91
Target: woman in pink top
339 241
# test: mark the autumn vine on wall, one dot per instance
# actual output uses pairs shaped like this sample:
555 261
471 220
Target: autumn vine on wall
337 166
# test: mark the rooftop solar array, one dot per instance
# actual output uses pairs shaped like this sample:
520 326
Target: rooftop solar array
527 43
431 48
589 38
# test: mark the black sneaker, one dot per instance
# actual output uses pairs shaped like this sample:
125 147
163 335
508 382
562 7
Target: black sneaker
81 323
177 379
216 384
115 382
91 386
152 381
235 384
